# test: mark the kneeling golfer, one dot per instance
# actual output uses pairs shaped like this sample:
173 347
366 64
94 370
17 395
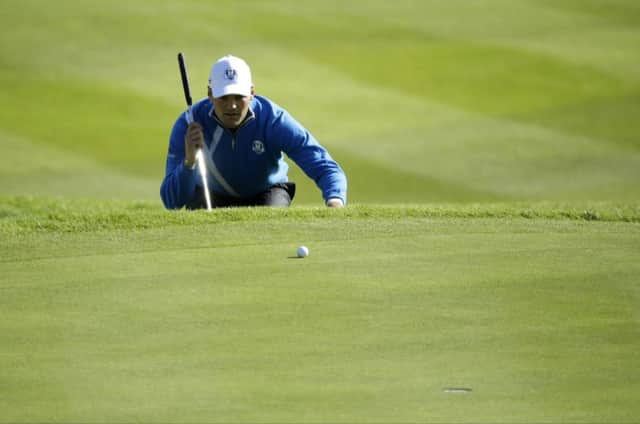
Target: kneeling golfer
243 137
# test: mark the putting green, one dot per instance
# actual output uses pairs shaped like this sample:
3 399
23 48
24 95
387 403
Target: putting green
211 318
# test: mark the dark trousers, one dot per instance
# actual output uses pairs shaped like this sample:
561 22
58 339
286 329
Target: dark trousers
279 195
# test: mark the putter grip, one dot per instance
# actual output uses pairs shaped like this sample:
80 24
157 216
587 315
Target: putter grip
185 78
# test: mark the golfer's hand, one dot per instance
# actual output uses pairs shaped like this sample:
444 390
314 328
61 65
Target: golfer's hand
335 203
193 140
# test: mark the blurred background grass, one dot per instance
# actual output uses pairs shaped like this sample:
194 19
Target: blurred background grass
420 101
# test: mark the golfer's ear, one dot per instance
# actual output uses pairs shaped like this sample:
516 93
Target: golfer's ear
253 91
209 93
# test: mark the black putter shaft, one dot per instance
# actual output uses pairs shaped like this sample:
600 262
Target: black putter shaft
185 79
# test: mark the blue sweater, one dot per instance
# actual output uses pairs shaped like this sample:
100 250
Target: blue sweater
249 160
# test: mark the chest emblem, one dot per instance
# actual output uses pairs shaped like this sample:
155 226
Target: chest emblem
257 147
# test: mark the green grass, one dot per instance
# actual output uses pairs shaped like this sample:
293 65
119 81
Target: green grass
121 313
24 215
419 101
493 155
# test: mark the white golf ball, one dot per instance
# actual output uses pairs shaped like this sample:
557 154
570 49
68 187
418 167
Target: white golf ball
303 252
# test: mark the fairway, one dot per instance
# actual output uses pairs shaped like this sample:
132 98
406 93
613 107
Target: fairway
485 269
490 100
538 317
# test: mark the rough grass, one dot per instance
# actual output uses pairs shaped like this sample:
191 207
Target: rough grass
24 214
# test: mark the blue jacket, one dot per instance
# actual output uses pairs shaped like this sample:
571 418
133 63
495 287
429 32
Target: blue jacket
249 160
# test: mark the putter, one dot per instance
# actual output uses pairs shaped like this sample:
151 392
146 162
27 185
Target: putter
189 115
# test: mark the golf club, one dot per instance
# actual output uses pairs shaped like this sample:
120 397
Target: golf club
189 115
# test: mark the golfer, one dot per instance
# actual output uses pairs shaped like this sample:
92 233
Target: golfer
243 137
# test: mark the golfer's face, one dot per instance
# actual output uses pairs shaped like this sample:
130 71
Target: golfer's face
231 109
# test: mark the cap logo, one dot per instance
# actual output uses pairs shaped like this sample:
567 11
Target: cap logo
230 74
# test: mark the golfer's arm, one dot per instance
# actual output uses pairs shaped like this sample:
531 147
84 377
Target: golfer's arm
316 162
179 183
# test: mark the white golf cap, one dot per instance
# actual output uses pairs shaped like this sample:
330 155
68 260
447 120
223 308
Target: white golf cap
230 75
